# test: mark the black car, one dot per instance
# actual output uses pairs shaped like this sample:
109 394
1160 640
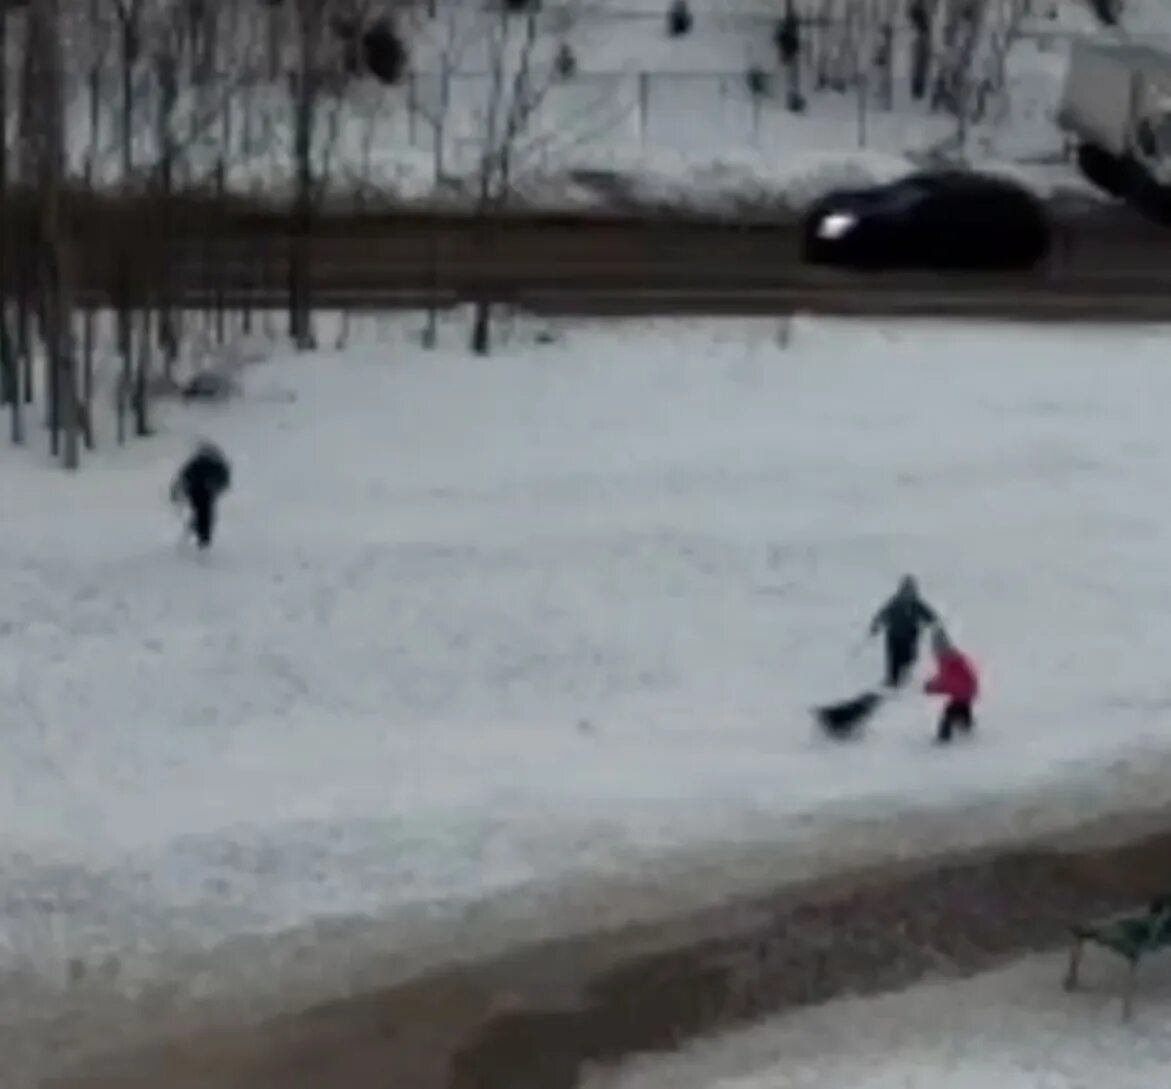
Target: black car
933 220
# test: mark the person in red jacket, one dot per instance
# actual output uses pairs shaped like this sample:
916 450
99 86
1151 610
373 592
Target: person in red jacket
955 679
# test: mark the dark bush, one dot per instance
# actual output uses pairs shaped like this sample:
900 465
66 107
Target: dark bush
679 19
787 37
384 53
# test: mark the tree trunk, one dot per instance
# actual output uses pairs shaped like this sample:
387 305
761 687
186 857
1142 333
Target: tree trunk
44 40
482 327
9 362
142 371
168 95
219 299
129 48
24 349
300 302
87 377
125 322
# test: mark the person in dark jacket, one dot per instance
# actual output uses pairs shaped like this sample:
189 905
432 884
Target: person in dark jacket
903 618
204 477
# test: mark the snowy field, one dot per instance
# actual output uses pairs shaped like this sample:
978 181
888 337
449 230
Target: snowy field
553 621
1010 1029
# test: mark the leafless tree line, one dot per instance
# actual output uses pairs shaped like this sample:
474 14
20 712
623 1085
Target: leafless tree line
158 105
952 54
121 117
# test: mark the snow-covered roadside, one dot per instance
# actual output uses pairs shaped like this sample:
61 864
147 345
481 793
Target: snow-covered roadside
1013 1029
482 630
662 120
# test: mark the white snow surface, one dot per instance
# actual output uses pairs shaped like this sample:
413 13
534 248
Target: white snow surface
1013 1028
554 620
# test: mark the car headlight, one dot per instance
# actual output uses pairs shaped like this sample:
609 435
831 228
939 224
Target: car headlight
835 225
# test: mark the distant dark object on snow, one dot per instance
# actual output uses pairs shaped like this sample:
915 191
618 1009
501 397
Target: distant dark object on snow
565 63
844 721
941 219
758 82
208 386
679 19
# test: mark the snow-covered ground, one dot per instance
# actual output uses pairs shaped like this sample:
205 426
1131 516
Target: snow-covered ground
555 619
1010 1029
654 118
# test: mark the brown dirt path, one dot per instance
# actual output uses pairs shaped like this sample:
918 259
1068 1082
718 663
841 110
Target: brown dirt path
535 1019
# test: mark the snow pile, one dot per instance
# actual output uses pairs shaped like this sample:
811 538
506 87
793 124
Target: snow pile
556 618
1013 1029
735 183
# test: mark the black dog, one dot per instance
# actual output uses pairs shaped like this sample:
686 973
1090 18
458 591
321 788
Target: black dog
845 720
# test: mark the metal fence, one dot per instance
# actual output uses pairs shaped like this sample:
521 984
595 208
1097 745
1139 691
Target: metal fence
645 109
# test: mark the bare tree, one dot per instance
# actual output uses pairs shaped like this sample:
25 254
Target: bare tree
976 37
10 392
1003 34
512 131
308 82
168 45
47 152
128 17
922 16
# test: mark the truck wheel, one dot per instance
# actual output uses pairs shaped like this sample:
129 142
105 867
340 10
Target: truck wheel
1149 197
1106 171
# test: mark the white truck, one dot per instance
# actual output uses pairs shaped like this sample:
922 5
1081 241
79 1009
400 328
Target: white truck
1117 105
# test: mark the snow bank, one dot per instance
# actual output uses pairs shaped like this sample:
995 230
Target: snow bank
1014 1029
734 183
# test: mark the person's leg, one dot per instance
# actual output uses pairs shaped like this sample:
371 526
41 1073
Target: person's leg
203 519
900 656
964 718
947 722
211 519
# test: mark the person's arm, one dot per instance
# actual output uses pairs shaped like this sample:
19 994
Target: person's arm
880 619
927 614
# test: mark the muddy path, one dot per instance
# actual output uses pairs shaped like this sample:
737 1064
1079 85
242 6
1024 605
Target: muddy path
538 1018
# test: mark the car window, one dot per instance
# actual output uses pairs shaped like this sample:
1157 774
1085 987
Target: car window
1144 136
905 197
1161 132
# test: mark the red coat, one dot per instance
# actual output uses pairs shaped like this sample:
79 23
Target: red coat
955 678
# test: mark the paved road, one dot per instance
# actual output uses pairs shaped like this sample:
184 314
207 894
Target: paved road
1107 265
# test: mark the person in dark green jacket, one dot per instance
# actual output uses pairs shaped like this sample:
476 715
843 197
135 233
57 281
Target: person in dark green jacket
903 618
